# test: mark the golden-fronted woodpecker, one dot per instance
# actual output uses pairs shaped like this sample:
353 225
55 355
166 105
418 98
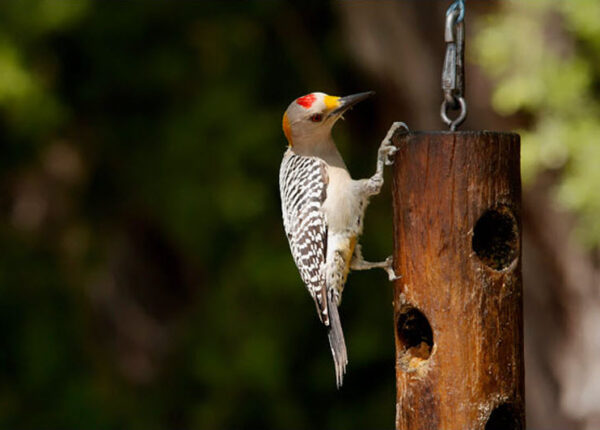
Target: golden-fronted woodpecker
323 207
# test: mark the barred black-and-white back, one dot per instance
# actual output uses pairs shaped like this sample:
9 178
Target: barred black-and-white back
303 186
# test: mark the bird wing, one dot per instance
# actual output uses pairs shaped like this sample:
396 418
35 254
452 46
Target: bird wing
303 185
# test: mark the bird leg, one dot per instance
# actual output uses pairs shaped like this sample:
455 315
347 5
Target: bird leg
386 151
359 263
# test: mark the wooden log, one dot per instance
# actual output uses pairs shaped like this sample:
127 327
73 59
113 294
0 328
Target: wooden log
458 306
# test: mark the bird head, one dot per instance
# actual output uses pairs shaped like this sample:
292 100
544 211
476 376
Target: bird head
312 116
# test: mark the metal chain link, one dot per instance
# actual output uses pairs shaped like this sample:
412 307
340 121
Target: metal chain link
453 73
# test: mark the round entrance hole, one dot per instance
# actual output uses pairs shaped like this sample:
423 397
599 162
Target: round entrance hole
415 337
496 238
504 417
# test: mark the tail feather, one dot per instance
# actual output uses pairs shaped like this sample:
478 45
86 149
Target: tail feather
336 341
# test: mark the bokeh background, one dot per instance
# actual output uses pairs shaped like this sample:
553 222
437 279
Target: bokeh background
145 279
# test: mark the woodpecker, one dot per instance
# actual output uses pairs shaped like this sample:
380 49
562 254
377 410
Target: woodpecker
323 207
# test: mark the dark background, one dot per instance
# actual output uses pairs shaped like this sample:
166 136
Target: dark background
145 279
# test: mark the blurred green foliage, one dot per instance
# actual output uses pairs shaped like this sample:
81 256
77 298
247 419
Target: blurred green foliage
146 281
544 56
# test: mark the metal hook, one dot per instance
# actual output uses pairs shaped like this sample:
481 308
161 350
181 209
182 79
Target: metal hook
453 123
453 82
458 4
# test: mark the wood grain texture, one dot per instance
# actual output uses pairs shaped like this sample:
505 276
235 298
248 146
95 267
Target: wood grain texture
458 313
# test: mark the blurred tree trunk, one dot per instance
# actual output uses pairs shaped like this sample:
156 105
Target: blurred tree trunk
562 316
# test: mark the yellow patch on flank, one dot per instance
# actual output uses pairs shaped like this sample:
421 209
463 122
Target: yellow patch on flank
348 257
331 102
287 129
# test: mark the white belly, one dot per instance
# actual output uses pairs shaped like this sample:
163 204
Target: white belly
344 205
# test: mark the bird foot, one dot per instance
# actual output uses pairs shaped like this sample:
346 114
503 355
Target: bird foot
387 149
390 269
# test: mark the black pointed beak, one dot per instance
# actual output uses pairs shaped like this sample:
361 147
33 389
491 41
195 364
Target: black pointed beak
349 101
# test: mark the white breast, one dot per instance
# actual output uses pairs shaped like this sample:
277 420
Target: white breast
343 206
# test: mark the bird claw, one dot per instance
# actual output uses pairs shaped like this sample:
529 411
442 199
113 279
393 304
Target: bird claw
390 270
387 151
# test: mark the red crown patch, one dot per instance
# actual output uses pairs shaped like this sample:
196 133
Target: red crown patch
306 101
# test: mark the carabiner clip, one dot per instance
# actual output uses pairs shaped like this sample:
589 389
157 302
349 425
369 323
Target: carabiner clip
453 80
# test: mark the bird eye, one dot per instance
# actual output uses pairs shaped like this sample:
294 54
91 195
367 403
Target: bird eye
316 117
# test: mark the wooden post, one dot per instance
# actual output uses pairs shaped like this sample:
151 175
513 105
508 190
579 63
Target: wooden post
458 306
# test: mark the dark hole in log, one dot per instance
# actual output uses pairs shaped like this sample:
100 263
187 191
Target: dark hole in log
496 238
504 417
415 337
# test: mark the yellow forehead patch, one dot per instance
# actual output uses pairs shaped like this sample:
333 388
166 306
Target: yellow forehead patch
331 102
287 129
